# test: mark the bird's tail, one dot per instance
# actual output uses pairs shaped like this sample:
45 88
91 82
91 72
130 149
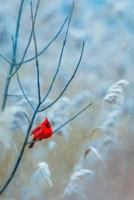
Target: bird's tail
31 144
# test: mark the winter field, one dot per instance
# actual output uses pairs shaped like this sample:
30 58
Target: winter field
56 58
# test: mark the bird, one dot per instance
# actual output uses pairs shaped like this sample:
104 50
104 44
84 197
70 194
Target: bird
40 132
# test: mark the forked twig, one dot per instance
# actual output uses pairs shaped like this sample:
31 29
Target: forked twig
5 59
23 92
36 54
12 70
13 63
60 58
29 42
68 83
40 102
44 49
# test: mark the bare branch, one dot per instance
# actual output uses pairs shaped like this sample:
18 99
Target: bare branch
60 58
50 42
23 92
36 110
68 83
12 73
15 95
29 41
13 63
3 188
72 118
5 59
36 53
19 82
26 117
43 50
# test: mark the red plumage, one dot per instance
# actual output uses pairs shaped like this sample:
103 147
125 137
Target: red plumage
42 131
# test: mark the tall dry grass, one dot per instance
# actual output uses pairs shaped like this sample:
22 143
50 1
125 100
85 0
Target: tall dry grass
92 157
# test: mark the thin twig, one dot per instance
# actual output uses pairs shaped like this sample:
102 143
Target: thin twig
11 73
50 42
5 59
3 188
72 118
43 50
26 117
36 110
23 92
60 58
29 41
14 95
68 83
36 53
14 55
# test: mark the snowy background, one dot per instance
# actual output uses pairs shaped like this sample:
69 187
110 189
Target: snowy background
72 165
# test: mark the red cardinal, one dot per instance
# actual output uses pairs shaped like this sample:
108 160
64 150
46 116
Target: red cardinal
42 131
